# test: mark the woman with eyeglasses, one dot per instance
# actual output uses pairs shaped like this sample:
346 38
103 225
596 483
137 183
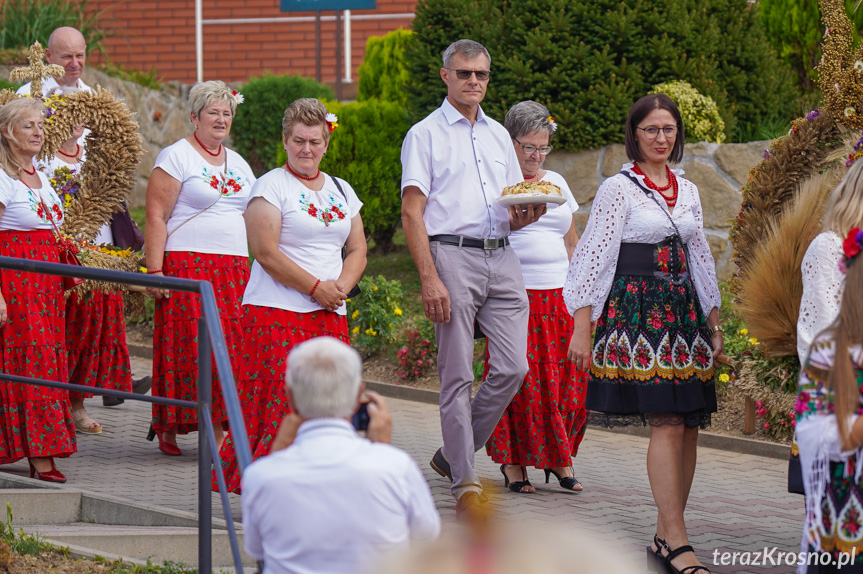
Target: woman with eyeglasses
643 272
544 423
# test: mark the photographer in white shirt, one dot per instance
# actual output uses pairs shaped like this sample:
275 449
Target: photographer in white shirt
326 501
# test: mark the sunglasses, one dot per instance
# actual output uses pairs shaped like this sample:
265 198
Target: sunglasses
481 75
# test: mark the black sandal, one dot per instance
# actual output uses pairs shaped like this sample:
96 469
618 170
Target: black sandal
566 482
516 486
672 554
655 559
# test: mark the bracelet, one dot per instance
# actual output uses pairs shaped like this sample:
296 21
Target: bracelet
312 292
152 271
716 329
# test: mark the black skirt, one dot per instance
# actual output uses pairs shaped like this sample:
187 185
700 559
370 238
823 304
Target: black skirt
651 352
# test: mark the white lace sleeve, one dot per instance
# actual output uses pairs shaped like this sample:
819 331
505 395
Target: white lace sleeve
702 266
823 284
591 271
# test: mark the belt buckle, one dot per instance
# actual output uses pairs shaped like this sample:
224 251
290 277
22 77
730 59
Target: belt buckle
489 244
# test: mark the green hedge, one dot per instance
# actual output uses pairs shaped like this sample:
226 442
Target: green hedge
365 151
384 74
7 85
589 60
700 115
257 130
23 22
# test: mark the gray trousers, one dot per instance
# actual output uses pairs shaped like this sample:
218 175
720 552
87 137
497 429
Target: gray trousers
488 286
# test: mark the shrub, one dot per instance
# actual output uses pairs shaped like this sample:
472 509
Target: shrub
700 114
384 74
23 22
588 61
795 30
257 130
7 85
365 151
417 357
374 314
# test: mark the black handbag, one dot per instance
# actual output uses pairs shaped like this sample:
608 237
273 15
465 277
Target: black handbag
125 231
795 473
356 290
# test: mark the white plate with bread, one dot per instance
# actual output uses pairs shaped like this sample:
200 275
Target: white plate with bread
531 192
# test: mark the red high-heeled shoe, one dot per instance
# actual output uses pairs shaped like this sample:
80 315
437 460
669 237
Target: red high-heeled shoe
52 475
165 447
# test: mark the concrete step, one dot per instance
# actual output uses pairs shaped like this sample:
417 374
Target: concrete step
156 543
40 506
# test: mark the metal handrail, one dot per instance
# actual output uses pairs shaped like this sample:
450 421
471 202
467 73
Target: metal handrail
210 340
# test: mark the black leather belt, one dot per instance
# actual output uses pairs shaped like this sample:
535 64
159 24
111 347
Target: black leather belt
463 241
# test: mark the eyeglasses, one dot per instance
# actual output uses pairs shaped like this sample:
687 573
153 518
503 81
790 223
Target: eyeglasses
529 149
481 75
653 132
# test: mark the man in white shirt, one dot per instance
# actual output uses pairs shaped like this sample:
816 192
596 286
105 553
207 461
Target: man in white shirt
67 48
455 163
331 502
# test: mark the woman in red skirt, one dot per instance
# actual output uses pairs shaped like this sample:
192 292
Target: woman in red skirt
195 201
35 422
544 424
298 218
95 323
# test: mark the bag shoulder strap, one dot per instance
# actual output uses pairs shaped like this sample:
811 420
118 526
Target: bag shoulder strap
649 194
339 186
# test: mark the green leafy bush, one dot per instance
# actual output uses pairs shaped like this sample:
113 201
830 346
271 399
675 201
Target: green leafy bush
417 357
23 22
365 151
384 74
7 85
374 315
700 115
257 130
589 60
795 30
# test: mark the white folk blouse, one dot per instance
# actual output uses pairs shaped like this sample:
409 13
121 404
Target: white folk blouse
623 213
823 285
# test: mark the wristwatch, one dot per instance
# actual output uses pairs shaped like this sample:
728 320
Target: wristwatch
717 328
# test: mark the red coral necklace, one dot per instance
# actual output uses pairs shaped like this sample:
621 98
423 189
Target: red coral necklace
77 151
24 169
670 200
216 154
305 177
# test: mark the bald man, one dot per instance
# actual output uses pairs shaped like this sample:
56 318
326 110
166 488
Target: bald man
67 48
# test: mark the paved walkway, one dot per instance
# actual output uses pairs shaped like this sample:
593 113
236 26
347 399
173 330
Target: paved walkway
738 502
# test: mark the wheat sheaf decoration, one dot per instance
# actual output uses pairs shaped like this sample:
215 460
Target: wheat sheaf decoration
840 72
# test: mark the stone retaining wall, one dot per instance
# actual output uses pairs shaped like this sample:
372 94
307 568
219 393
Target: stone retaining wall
719 171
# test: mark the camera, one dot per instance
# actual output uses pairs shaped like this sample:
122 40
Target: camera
360 420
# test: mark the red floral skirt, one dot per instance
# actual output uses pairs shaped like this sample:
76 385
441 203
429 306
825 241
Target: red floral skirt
34 421
175 337
268 336
96 342
545 422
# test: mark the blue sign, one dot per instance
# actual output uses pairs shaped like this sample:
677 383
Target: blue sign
324 5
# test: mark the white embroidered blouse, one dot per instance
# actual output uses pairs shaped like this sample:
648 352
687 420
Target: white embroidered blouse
823 284
623 213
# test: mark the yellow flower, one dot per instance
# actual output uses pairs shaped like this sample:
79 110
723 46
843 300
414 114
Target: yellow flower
142 269
744 332
356 331
347 300
374 287
355 314
371 332
753 340
723 378
397 311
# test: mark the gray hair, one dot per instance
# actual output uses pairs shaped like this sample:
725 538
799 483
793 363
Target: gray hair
206 93
11 114
324 377
526 118
467 48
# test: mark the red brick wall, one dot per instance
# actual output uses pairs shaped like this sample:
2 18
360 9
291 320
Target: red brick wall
160 34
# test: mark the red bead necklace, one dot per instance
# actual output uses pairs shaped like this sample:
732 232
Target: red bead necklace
527 177
77 151
24 169
670 200
195 135
305 177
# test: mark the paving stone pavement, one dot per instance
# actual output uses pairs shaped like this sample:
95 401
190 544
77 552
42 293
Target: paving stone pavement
738 501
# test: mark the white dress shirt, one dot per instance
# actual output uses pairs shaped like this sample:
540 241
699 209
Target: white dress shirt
823 285
333 503
462 169
49 85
